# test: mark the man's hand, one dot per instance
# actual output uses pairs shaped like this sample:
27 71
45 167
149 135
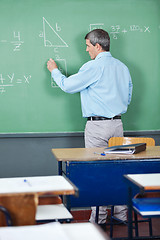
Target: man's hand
51 65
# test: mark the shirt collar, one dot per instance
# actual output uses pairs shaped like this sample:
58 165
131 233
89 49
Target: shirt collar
103 54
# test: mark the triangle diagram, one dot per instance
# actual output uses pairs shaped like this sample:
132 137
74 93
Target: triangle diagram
51 37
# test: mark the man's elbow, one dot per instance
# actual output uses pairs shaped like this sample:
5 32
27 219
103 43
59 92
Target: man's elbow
67 89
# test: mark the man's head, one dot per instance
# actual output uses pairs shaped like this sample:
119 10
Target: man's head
97 41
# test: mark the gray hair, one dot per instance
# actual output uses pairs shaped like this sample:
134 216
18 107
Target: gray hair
99 36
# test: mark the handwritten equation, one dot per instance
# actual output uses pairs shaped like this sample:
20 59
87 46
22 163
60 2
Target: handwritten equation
10 80
116 30
52 38
15 41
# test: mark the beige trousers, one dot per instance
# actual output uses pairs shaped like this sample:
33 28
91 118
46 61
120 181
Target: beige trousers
97 134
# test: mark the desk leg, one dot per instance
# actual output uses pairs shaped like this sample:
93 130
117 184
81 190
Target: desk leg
60 173
68 202
97 214
60 168
130 237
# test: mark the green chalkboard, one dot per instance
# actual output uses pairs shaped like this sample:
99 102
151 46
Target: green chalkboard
32 31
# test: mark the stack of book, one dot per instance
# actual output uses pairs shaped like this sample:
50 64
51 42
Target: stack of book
126 149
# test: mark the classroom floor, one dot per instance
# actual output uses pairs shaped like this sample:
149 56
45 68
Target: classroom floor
119 231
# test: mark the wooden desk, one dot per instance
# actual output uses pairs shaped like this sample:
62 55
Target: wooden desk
100 178
88 154
143 182
55 185
20 195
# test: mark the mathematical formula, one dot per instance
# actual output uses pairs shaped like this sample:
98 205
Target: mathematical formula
115 30
15 41
51 35
11 80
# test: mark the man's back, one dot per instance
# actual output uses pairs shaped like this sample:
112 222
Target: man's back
108 95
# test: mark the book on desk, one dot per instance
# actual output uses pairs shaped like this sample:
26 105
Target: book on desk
126 149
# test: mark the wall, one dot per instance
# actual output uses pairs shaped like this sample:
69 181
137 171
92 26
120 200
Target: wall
33 31
30 154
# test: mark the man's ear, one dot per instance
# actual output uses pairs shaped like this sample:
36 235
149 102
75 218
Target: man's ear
98 47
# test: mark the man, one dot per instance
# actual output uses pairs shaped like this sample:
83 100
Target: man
105 87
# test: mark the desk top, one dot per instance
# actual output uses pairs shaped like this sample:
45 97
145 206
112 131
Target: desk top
72 231
146 181
88 154
55 185
85 231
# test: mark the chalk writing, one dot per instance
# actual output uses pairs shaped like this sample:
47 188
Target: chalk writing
58 28
124 31
50 35
16 41
52 38
95 26
116 30
136 28
146 29
10 80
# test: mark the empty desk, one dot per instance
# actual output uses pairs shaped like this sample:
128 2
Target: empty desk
20 195
148 207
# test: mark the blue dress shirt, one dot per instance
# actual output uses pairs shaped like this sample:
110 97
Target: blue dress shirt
104 84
